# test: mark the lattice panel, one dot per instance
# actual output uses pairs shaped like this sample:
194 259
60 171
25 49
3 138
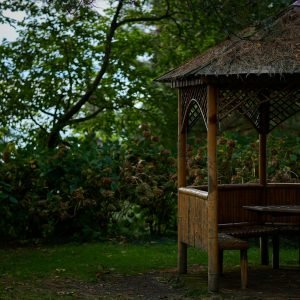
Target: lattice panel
265 108
284 104
194 105
244 101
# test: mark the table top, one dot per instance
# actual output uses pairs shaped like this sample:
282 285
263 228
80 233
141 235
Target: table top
287 209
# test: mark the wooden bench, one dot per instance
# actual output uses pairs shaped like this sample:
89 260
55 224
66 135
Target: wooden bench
246 230
228 242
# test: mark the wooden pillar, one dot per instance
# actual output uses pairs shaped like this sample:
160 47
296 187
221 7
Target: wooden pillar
264 253
181 178
212 215
264 112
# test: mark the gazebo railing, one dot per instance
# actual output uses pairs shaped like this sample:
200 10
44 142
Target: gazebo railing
283 194
193 205
192 217
232 198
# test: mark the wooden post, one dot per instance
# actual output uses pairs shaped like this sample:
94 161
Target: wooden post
244 268
181 178
264 253
264 111
212 213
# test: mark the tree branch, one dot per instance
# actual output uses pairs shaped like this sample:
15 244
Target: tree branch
65 118
167 14
36 123
75 109
89 117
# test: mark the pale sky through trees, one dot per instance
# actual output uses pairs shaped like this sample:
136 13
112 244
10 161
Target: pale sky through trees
8 32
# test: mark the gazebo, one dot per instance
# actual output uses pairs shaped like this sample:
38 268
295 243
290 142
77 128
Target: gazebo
257 75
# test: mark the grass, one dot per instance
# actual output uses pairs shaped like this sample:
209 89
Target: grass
84 262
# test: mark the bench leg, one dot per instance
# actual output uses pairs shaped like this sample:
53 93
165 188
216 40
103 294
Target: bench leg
244 268
275 257
221 261
182 258
299 245
264 251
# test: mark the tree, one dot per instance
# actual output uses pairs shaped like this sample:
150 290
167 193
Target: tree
61 69
71 64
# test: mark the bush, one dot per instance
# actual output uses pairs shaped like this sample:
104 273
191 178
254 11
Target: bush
85 189
149 182
238 157
70 190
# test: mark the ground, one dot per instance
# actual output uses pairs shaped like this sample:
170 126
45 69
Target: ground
264 283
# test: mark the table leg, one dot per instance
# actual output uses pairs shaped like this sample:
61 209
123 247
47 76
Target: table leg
264 251
299 246
275 257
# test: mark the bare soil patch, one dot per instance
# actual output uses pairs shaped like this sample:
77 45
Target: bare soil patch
264 283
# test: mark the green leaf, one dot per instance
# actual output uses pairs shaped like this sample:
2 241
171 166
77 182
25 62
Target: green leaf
13 200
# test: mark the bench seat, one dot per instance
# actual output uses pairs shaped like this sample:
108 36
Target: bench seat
248 230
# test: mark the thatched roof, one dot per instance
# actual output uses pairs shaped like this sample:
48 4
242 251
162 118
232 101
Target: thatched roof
273 49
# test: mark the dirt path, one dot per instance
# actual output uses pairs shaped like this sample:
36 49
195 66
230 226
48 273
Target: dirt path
264 283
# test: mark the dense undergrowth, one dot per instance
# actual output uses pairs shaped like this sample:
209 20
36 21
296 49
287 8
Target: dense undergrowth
86 189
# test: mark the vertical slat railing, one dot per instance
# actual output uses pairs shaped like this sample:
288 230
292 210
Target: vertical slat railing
192 217
283 194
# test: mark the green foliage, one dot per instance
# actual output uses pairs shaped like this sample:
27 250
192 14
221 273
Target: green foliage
237 156
72 64
44 72
62 192
149 181
86 188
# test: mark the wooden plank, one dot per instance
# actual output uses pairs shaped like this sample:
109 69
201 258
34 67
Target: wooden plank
231 201
195 192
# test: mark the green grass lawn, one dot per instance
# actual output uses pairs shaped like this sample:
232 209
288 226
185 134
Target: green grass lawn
85 261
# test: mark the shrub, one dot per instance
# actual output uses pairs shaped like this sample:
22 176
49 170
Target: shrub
149 183
69 190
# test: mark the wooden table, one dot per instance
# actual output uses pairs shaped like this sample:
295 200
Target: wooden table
276 211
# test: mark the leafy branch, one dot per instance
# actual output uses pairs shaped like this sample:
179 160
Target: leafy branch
66 118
